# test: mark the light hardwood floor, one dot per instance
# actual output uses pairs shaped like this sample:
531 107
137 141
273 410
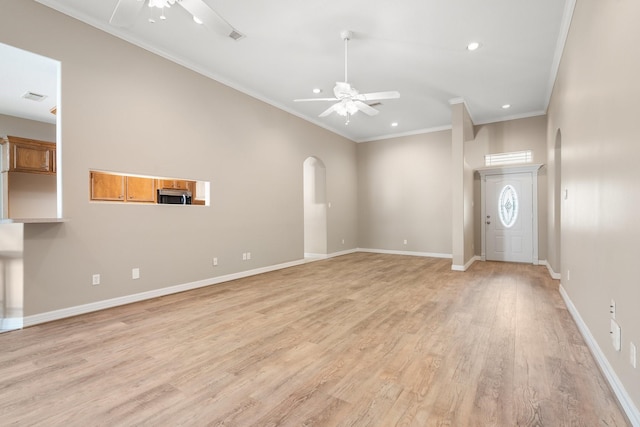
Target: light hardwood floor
361 339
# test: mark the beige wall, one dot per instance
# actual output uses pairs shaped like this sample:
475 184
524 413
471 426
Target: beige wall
595 106
31 195
125 109
404 192
25 128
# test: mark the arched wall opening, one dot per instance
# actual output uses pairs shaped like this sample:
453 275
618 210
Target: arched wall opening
315 208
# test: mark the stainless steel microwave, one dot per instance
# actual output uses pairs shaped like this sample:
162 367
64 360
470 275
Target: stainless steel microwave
168 196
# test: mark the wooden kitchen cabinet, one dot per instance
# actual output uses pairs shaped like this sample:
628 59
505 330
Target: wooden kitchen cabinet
116 187
176 184
107 186
28 155
122 188
141 189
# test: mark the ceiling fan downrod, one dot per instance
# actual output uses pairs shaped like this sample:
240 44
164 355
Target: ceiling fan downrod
346 36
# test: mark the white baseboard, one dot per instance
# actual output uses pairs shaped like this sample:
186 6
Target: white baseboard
308 256
346 252
127 299
10 323
411 253
621 393
552 273
465 267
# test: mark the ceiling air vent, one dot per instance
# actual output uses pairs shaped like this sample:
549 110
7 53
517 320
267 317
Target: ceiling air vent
236 35
34 96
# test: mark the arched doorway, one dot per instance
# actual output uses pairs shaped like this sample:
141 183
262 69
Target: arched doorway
315 208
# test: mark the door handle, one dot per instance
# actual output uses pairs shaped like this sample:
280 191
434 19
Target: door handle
488 222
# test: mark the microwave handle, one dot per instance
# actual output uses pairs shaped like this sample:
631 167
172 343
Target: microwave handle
184 199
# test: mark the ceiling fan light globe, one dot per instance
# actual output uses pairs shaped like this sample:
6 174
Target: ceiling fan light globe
341 109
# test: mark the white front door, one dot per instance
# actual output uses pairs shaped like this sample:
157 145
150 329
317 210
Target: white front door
509 217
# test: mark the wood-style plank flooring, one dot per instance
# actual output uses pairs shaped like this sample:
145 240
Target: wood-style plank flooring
358 340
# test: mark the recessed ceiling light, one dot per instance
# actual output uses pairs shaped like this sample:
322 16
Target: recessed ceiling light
197 20
505 106
473 46
394 124
316 91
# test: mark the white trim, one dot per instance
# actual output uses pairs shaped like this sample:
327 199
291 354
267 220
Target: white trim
465 267
410 133
527 115
565 25
128 299
621 393
10 323
552 273
410 253
345 252
507 169
308 256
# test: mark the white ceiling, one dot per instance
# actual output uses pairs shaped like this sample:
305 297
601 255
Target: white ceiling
417 47
23 72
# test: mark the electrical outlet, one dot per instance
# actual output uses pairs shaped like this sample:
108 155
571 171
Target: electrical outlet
343 241
96 279
405 241
248 255
135 273
612 309
215 261
633 355
244 256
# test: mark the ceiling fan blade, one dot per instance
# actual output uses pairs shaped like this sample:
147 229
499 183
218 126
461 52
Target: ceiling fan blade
367 109
315 99
210 18
374 96
126 12
329 110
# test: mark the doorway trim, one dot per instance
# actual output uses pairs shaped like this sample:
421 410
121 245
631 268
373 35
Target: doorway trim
531 168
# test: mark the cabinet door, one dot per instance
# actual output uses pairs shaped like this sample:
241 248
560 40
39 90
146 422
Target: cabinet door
141 189
176 184
181 184
166 183
105 186
28 158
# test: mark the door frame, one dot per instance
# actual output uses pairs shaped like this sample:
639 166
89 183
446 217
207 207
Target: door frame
531 168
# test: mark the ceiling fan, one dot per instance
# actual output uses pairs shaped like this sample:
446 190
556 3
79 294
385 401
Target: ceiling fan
127 11
350 101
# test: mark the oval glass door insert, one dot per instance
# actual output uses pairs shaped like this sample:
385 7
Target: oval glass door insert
508 206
